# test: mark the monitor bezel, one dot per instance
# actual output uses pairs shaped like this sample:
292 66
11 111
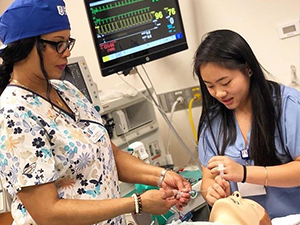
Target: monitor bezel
141 57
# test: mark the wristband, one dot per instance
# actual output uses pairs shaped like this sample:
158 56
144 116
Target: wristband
245 174
137 204
161 178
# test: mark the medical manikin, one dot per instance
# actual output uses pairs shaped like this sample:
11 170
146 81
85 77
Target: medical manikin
235 210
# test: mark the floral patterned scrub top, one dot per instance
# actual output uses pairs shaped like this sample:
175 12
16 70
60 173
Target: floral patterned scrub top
41 144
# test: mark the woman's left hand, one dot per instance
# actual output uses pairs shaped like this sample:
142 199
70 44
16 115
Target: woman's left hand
231 170
173 181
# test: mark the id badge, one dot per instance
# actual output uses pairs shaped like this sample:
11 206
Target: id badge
245 154
247 189
94 132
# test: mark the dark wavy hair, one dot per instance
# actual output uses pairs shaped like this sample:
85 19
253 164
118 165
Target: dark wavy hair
13 53
229 50
16 52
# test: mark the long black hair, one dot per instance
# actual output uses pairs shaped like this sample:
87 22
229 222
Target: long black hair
16 52
13 53
229 50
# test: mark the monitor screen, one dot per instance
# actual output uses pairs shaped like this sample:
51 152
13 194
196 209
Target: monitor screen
76 78
127 33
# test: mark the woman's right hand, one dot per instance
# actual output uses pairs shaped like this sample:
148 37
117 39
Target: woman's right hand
158 201
220 188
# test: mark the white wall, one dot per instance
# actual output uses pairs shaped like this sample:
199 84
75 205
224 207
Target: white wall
255 20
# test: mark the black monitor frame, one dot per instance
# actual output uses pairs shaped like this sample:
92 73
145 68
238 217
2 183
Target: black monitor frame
160 28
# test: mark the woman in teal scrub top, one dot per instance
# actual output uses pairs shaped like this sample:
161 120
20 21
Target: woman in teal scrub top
249 129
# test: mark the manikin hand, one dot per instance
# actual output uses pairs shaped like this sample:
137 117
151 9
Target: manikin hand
174 181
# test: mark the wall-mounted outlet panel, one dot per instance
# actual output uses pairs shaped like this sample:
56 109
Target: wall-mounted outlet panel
168 99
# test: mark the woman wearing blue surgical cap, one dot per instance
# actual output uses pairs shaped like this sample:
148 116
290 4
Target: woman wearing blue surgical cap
56 159
249 129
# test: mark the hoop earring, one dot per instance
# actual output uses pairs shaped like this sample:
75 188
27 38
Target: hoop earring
250 73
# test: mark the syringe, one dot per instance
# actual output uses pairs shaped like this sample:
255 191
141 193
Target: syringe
192 193
221 169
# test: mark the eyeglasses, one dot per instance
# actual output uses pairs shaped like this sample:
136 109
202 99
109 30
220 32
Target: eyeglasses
60 46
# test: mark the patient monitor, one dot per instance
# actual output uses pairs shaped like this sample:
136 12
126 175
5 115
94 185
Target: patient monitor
78 74
237 210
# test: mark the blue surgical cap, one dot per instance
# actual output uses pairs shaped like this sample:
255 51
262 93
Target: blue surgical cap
30 18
